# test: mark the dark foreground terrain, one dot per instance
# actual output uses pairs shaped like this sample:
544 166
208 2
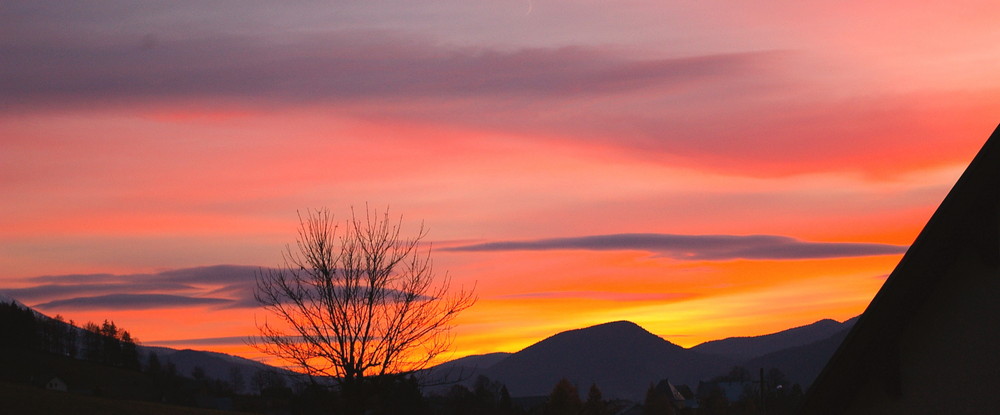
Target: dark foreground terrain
28 400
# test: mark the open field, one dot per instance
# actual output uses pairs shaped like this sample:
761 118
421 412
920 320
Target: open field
27 400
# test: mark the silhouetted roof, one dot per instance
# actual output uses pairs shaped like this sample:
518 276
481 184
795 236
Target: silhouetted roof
966 220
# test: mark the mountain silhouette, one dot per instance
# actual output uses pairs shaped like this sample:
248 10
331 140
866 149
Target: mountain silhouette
480 361
439 378
215 365
621 357
802 364
745 348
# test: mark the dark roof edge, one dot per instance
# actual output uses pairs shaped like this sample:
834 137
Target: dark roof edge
872 340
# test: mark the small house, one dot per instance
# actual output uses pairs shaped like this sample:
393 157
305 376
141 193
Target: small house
56 384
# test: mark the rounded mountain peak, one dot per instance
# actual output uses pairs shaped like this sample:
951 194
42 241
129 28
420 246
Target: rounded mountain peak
605 334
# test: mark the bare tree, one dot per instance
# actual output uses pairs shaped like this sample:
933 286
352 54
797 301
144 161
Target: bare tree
360 306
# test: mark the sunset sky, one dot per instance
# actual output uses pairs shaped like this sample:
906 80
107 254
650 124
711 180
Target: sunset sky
705 169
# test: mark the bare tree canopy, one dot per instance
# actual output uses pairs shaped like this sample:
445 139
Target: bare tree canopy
361 304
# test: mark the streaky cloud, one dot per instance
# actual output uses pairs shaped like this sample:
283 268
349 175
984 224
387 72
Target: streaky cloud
696 247
232 284
131 302
222 286
206 341
598 295
75 278
212 341
338 66
228 275
56 290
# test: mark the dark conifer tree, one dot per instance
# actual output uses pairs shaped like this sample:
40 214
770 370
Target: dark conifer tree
564 400
111 347
486 392
459 401
153 365
129 351
18 325
72 340
505 403
93 345
237 380
595 404
198 373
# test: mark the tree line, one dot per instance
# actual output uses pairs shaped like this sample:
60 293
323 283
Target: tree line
104 343
771 393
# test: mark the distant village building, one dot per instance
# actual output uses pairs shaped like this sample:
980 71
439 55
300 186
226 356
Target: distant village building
677 395
56 384
929 342
687 396
729 391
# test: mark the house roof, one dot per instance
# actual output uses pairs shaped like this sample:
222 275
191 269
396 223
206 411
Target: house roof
966 220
